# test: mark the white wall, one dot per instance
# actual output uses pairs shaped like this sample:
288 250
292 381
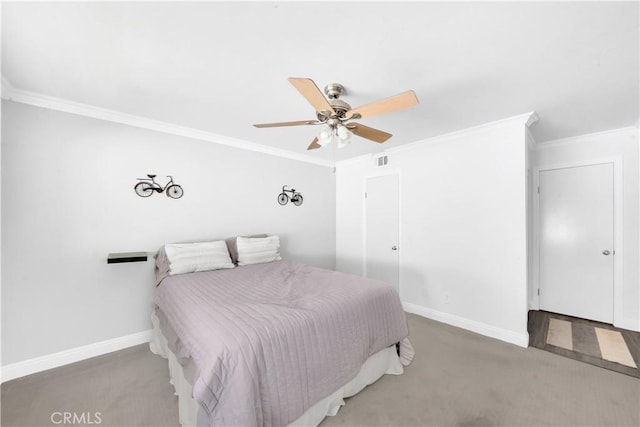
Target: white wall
593 148
531 289
68 200
463 251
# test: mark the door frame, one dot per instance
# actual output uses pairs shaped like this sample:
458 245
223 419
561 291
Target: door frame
365 179
618 233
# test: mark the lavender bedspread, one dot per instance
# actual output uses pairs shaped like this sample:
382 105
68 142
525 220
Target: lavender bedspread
270 340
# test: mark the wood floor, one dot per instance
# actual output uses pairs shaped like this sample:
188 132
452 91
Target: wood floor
538 327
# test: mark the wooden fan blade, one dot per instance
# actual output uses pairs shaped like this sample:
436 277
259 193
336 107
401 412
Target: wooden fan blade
298 123
398 102
314 144
309 90
372 134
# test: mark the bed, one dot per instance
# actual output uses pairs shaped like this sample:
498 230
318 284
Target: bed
275 342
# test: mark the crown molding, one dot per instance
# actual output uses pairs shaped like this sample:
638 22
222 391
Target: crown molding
580 139
533 117
38 100
524 120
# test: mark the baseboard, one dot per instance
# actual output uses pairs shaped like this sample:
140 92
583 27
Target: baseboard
49 361
511 337
629 324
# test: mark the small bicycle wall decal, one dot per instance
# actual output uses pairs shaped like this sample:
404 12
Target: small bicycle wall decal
283 198
146 187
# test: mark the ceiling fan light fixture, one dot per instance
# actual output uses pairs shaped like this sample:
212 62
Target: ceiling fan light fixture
326 135
343 133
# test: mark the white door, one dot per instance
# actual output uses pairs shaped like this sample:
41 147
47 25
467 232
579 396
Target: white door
576 241
382 229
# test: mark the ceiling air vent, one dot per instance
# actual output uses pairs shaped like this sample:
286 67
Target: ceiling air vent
382 160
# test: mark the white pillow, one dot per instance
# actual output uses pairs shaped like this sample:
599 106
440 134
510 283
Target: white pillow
256 250
192 257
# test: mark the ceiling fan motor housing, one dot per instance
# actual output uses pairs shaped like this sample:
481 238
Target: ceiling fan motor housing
340 108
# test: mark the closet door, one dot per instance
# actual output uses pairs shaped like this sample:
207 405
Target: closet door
382 232
576 241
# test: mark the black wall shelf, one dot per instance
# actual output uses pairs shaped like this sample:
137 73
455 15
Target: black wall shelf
119 257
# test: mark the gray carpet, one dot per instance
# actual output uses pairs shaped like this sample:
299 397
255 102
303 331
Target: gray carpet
457 379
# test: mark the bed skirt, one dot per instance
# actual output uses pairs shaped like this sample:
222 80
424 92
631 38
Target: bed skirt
190 413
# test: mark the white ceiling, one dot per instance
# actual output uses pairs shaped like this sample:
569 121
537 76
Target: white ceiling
222 66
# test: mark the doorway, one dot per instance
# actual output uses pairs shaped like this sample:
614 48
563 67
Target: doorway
576 230
382 228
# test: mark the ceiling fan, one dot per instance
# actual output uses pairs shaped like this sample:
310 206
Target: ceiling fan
336 115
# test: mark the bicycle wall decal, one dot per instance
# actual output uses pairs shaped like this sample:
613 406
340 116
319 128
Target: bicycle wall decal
283 198
147 186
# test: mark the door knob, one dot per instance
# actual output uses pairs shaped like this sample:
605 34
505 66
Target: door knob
394 248
606 252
